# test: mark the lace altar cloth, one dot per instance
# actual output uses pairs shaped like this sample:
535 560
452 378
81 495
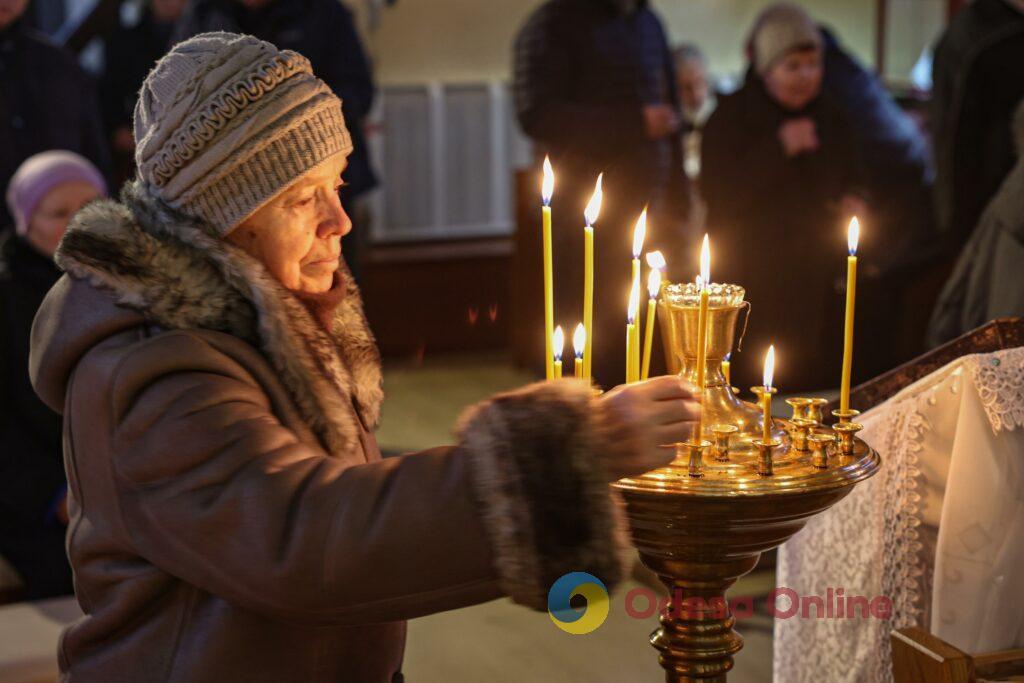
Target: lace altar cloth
939 530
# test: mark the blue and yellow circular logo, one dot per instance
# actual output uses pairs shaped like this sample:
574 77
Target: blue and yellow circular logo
569 618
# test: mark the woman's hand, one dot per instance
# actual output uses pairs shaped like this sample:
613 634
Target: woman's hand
639 424
798 136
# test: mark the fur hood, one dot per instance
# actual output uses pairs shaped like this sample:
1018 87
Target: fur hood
176 273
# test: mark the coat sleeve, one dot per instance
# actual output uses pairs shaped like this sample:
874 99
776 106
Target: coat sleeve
214 489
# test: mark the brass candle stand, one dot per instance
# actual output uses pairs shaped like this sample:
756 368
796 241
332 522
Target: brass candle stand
703 521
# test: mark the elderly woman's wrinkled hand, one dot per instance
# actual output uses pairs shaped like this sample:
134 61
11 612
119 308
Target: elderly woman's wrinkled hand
639 424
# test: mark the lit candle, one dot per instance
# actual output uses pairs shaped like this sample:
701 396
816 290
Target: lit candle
633 335
579 343
702 315
653 287
590 216
852 236
726 369
558 344
639 233
766 396
547 188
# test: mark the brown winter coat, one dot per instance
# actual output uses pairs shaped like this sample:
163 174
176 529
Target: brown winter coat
231 517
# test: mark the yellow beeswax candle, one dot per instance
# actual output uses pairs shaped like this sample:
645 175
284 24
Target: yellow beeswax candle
769 371
702 314
579 344
547 190
653 286
852 237
633 335
590 214
639 233
727 370
558 346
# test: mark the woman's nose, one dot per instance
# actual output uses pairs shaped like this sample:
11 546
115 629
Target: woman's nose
335 221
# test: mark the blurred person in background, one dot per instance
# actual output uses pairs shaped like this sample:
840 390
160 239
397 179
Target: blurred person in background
46 100
782 176
697 100
129 53
325 33
977 81
45 192
988 280
595 88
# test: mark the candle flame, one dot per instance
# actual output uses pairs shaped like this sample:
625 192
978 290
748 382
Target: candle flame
656 260
579 340
594 205
558 342
654 283
853 236
728 356
547 186
769 367
705 263
639 232
634 302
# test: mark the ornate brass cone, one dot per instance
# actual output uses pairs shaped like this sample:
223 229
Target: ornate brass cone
678 320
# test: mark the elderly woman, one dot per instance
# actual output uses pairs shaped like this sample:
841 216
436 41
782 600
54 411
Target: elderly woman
231 517
781 169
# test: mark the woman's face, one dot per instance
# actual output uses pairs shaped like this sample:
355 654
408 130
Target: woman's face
795 80
297 235
53 213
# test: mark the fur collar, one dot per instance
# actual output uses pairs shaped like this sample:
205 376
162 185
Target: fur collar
176 272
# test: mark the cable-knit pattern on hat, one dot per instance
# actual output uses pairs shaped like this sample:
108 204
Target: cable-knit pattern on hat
225 104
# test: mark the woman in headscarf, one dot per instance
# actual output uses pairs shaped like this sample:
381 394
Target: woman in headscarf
45 192
231 516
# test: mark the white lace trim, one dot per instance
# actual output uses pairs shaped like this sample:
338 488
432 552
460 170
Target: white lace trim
999 379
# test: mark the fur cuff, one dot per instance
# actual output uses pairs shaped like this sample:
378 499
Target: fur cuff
541 488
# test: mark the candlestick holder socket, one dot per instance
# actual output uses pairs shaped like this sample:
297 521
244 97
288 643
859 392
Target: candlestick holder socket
845 416
722 434
799 406
846 432
695 466
764 462
814 408
800 428
820 443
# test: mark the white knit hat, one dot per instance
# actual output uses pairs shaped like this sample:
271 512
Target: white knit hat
779 30
225 122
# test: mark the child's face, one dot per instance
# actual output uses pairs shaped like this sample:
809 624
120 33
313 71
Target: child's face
54 212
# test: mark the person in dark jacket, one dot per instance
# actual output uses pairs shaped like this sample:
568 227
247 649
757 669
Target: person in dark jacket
594 87
325 33
45 192
782 178
130 52
46 100
977 82
988 280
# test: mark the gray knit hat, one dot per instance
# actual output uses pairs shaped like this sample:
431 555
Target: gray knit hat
224 122
779 30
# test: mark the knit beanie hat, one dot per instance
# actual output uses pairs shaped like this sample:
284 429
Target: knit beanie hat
779 30
42 172
225 122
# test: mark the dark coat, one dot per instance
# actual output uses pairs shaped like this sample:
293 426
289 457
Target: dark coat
897 161
231 518
130 53
46 102
584 71
31 468
988 280
977 81
324 32
776 228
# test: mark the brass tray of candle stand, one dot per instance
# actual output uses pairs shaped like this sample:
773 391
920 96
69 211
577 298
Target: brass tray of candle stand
701 533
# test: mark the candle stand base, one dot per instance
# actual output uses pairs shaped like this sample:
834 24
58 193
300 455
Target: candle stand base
701 534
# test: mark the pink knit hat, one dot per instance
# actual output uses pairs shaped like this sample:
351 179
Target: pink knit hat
42 172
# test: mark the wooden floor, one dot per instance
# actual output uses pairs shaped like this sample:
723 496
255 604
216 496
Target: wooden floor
499 641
